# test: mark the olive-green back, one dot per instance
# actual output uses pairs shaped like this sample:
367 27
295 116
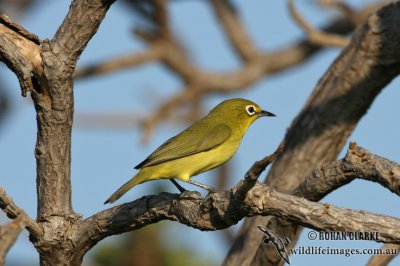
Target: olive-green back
200 137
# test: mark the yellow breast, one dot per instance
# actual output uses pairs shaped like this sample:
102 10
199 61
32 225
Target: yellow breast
186 167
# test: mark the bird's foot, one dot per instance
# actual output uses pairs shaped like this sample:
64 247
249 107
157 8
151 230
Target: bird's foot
205 187
179 187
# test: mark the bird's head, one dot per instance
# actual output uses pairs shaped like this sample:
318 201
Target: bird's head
239 112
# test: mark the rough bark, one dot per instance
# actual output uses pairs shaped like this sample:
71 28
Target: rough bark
357 164
54 106
20 51
46 69
223 209
62 237
318 133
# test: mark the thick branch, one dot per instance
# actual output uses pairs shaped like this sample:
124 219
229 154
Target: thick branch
223 209
341 98
80 24
54 105
358 163
20 50
47 71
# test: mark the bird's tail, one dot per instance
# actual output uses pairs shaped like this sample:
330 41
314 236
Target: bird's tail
137 179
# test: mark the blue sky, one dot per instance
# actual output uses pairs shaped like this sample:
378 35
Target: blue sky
103 159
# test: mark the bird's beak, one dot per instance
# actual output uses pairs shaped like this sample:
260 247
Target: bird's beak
265 113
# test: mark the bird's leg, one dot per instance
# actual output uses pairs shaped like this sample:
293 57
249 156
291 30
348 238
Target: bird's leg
179 187
209 189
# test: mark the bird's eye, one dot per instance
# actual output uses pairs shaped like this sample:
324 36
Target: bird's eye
251 110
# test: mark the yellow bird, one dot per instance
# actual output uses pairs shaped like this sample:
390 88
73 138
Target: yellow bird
206 144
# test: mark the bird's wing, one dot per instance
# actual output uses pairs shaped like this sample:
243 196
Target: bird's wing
187 143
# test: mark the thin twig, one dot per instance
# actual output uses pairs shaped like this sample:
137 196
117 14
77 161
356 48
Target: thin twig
174 56
13 212
315 36
343 7
239 38
153 53
165 109
8 235
259 166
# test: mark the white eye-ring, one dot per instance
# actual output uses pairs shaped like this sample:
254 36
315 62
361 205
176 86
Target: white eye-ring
251 110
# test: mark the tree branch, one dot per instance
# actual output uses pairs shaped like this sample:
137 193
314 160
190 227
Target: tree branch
61 234
248 198
357 164
223 209
343 7
52 93
200 83
54 105
14 212
45 69
20 51
153 53
8 235
390 251
319 132
278 60
80 24
165 109
315 36
234 29
259 166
